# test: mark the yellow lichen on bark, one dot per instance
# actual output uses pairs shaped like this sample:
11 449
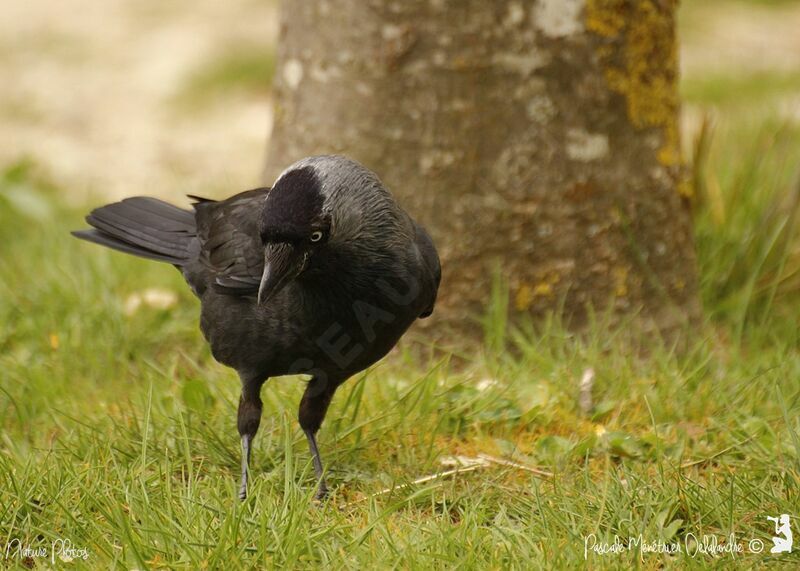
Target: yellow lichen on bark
527 293
605 17
524 298
620 281
639 59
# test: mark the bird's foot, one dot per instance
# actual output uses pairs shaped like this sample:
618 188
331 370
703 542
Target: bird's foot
322 492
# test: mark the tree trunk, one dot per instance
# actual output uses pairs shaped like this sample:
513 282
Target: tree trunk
537 137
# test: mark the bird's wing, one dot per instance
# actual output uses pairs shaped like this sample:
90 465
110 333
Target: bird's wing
230 247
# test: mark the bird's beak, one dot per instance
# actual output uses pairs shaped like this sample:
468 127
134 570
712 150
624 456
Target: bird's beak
282 263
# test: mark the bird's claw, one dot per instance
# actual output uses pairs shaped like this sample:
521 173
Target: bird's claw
322 493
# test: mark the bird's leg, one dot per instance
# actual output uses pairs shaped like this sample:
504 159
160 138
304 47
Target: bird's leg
313 406
248 419
322 490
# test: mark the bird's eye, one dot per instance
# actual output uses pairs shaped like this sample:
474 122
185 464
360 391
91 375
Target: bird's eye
316 236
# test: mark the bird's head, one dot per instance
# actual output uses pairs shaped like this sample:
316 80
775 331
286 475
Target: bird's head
319 206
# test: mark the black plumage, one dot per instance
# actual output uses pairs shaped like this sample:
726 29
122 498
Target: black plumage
319 275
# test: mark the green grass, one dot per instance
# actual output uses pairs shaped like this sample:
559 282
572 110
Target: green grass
117 430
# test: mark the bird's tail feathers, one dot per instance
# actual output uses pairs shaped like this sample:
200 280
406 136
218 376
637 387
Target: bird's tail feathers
145 227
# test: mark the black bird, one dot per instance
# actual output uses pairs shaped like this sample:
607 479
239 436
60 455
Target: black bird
319 275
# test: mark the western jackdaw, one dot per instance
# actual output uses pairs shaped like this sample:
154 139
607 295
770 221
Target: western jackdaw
319 275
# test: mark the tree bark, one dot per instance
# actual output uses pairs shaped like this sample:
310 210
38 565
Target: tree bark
537 137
